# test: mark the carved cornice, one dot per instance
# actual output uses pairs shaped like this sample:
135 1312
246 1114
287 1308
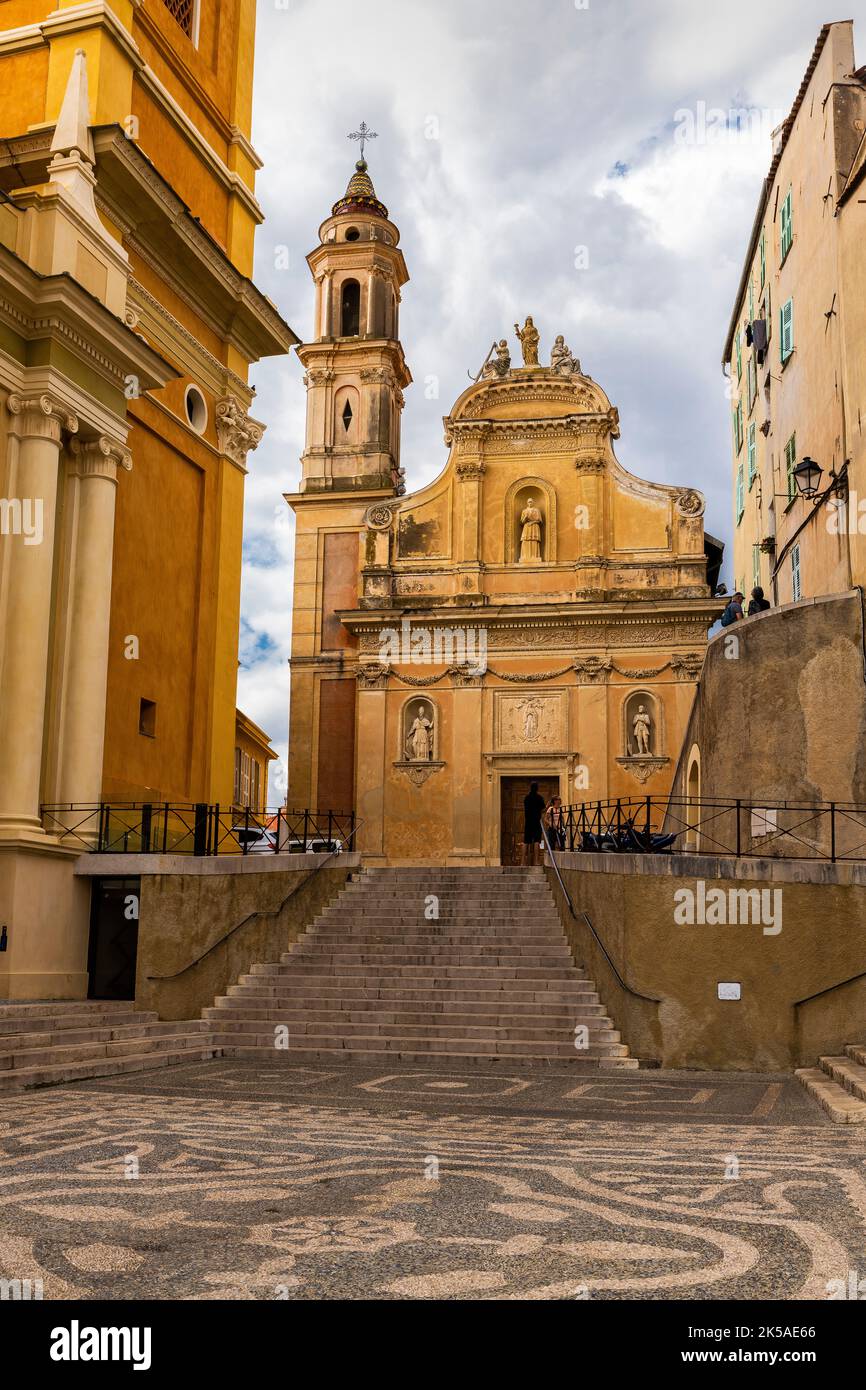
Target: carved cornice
470 470
237 432
220 371
40 417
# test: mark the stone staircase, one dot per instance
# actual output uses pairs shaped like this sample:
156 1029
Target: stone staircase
376 979
838 1084
44 1044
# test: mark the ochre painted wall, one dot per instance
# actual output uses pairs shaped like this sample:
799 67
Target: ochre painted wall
822 945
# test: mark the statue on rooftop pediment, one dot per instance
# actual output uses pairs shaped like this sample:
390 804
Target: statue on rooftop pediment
500 364
528 337
562 360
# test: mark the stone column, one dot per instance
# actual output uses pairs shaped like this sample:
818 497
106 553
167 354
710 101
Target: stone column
94 467
37 424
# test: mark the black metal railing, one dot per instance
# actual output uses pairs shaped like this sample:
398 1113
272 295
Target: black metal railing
196 828
829 830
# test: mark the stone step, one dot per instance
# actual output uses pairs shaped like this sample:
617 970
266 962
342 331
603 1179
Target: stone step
54 1075
15 1027
848 1073
379 970
408 1011
857 1053
598 1034
73 1037
362 1044
40 1009
90 1051
391 957
839 1104
331 987
435 1059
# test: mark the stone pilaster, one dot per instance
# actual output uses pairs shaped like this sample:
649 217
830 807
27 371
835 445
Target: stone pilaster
36 427
92 472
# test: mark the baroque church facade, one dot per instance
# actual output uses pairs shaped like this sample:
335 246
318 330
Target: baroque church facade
536 613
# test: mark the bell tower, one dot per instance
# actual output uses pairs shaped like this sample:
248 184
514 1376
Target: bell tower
355 369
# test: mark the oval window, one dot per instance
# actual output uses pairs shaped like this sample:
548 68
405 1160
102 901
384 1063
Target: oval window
196 409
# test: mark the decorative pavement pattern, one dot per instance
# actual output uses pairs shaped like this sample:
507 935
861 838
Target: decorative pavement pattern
235 1180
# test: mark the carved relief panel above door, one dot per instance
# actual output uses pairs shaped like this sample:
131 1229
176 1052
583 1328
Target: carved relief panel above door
529 721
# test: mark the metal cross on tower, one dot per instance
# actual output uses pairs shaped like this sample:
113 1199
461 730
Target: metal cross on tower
363 133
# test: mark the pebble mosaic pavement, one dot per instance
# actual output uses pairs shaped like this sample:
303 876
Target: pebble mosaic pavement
313 1182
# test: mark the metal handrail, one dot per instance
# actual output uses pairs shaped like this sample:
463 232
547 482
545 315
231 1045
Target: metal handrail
271 912
648 998
194 828
829 990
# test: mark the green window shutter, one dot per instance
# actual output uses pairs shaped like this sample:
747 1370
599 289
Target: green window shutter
786 324
787 237
753 453
763 259
751 301
740 495
739 346
756 566
791 464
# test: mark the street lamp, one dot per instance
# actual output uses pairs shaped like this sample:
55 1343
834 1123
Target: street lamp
808 474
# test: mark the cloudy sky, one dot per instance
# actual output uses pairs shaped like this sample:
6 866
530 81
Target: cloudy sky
560 158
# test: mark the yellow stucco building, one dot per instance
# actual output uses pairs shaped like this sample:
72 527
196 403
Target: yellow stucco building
128 323
535 613
795 346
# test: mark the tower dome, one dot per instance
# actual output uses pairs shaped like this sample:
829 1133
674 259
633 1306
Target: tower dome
360 195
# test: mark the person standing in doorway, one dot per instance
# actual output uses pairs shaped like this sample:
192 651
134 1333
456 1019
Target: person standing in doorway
533 810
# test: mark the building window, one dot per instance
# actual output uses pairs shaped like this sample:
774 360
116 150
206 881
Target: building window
347 417
196 409
786 318
756 566
738 343
751 300
753 453
350 309
787 224
763 254
790 465
186 14
738 427
147 718
741 495
239 757
751 382
796 584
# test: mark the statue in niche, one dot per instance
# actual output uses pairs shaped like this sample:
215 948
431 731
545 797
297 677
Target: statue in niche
531 520
528 338
561 359
419 743
642 730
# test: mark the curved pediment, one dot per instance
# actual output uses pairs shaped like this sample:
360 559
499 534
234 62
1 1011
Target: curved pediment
532 395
